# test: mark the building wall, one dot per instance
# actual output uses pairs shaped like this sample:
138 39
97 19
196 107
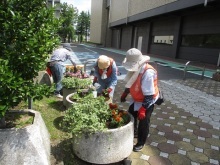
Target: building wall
174 22
96 21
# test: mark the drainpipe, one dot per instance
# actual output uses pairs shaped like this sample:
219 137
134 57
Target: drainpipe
205 3
127 12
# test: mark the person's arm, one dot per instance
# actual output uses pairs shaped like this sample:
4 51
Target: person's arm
114 75
148 92
71 59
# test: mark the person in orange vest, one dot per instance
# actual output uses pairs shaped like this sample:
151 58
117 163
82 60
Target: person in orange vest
141 84
105 74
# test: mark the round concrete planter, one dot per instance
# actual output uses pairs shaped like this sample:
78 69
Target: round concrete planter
66 92
111 146
29 145
69 103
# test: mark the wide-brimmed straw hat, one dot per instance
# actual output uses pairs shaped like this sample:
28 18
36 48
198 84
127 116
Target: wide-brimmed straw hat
103 62
134 59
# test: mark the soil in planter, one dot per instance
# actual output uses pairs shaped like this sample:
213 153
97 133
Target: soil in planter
15 120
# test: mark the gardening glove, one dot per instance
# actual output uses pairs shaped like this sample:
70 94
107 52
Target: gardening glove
124 94
109 90
141 113
95 80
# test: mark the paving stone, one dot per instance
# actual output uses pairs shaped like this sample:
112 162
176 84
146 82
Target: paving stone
185 146
150 150
202 133
197 157
189 135
212 154
200 144
164 128
214 142
173 136
178 127
139 162
164 116
185 113
158 160
191 126
157 138
135 155
179 159
167 148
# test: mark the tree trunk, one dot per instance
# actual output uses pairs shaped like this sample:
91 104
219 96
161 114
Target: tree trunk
2 122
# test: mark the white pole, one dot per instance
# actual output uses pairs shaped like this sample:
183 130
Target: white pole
218 63
52 3
205 3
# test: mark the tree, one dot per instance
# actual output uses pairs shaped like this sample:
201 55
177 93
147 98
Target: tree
83 26
28 34
68 17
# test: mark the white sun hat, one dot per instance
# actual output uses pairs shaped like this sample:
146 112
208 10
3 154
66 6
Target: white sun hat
134 59
103 62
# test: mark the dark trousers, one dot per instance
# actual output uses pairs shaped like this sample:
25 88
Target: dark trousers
143 125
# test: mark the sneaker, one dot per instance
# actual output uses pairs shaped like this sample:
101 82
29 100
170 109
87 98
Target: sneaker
138 147
59 96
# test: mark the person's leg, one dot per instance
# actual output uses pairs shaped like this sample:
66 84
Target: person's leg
57 72
134 114
143 129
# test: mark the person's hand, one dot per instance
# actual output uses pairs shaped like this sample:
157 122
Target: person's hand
141 113
123 96
109 90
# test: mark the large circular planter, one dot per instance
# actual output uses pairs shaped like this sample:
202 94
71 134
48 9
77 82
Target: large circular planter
69 103
66 92
111 146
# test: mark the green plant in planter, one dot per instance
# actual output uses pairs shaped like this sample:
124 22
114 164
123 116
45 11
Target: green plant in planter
82 94
76 83
27 36
93 114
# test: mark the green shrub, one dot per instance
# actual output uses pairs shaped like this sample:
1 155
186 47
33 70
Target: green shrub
27 36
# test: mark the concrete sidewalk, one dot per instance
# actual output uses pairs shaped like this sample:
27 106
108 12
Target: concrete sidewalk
185 129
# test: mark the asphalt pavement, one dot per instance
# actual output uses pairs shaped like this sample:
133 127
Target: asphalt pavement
185 129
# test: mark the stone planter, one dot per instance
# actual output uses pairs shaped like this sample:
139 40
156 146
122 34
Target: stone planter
216 76
66 92
29 145
69 103
111 146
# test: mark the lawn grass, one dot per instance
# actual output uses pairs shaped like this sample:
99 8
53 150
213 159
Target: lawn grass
52 111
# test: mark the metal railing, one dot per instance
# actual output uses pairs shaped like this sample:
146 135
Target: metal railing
190 62
89 61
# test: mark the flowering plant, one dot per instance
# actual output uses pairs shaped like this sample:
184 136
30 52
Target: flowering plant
92 115
79 72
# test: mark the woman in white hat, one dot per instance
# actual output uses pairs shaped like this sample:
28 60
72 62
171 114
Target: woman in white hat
105 74
142 85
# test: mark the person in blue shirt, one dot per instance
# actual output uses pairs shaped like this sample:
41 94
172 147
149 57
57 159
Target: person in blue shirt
57 67
105 74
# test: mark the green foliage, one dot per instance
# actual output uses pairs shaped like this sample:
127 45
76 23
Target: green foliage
89 116
28 34
68 17
76 83
83 25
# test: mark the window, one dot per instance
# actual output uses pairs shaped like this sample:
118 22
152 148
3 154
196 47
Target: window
202 40
167 40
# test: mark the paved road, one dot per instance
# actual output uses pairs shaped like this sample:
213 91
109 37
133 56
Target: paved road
186 128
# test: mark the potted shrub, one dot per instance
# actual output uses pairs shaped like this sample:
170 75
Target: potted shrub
101 133
72 84
28 36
